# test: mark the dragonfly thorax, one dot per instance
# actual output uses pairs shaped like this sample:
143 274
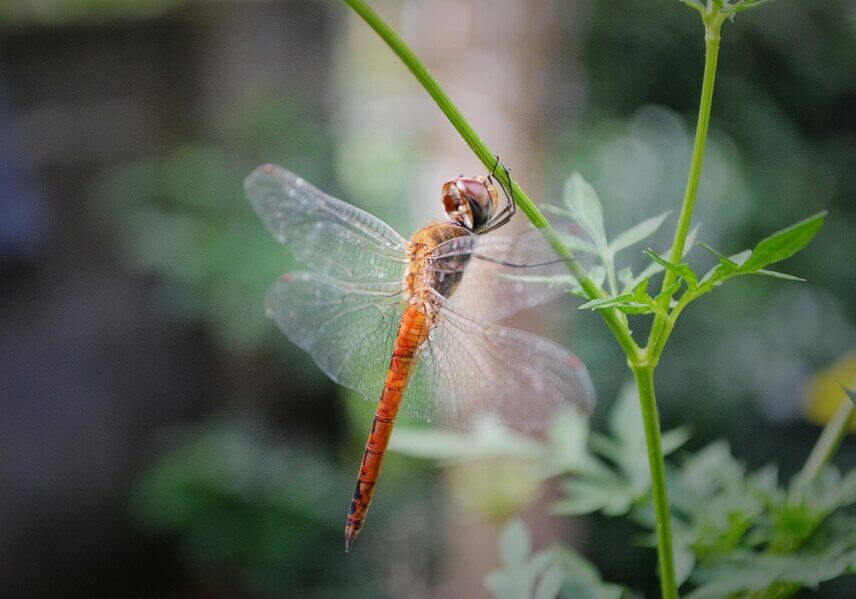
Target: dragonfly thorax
427 275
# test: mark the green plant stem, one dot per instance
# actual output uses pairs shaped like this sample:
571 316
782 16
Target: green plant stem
713 24
613 318
644 377
829 440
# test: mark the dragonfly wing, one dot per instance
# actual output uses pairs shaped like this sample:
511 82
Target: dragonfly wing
470 370
505 274
327 235
348 328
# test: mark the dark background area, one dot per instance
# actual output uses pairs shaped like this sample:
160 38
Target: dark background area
159 438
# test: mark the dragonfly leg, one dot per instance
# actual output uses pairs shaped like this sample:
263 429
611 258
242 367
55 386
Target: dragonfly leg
510 207
519 264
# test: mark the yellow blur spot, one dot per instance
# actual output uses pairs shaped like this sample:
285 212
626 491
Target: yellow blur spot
825 394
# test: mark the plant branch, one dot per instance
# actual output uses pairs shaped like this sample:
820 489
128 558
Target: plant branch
612 317
659 494
829 440
713 24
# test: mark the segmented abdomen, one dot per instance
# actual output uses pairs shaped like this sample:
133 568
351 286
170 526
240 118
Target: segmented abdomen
412 332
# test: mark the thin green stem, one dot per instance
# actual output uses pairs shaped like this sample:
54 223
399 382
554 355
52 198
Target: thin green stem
713 24
829 440
711 43
644 377
613 318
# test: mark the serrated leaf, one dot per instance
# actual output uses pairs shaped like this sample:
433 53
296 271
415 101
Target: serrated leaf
654 268
641 289
784 244
636 233
584 208
682 271
669 291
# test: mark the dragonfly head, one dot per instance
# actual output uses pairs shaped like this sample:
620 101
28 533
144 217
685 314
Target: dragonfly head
469 201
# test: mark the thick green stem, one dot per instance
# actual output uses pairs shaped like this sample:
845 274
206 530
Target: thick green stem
651 422
613 318
712 25
829 440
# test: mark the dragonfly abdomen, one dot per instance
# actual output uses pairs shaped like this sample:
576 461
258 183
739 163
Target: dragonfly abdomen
412 332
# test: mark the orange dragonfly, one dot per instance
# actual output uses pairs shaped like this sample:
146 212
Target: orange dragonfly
407 323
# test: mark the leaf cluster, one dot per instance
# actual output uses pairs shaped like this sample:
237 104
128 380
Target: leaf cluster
629 292
546 574
737 533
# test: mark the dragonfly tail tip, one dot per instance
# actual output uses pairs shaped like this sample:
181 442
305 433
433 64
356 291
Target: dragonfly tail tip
350 535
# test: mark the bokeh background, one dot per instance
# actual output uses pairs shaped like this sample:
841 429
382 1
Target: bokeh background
159 438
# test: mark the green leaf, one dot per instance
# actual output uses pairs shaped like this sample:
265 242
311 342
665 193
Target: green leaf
771 575
778 275
682 271
741 5
577 244
694 4
560 281
722 257
850 394
603 303
625 277
783 244
625 303
685 559
635 302
669 291
636 233
674 439
491 440
587 496
584 208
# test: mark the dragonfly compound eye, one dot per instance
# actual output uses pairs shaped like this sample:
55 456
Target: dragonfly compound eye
481 197
469 201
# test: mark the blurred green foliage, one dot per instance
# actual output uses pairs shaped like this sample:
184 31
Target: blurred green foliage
546 574
183 217
780 148
64 11
251 514
738 533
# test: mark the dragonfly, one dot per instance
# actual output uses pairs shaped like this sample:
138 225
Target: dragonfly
411 324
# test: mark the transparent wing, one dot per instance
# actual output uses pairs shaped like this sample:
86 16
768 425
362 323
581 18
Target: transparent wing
470 371
348 328
504 274
327 235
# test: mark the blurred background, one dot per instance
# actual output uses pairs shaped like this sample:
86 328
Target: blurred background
159 438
